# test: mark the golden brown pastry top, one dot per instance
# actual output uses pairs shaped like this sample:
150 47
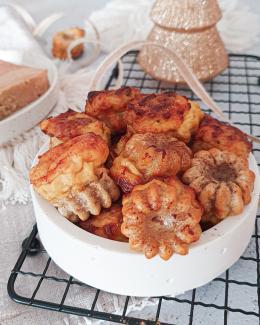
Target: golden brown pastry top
161 217
164 112
72 164
213 133
109 106
71 124
149 155
107 224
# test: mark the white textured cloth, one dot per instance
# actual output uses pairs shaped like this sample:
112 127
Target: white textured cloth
14 34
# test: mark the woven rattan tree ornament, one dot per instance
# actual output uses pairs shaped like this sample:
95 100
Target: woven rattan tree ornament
189 28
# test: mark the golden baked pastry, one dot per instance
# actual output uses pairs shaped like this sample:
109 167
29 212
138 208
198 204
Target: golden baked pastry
147 156
110 106
71 176
161 217
62 40
222 181
215 134
164 112
71 124
107 224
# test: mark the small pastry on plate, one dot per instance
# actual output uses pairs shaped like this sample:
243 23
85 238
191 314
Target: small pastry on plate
147 156
71 124
215 134
62 40
71 176
223 183
161 217
107 224
110 106
164 113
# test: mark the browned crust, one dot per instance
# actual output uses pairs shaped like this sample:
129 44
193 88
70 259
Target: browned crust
89 147
71 124
110 106
62 40
157 113
215 134
107 224
149 155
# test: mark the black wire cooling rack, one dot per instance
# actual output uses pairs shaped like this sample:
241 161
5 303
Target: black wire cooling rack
233 297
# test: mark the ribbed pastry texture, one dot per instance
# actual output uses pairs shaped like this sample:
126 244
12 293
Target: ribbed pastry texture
223 183
149 155
71 176
161 217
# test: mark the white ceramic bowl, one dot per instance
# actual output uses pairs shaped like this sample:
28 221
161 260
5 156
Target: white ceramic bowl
113 267
30 115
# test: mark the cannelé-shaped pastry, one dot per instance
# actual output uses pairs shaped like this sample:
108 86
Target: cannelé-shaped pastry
71 177
215 134
223 183
62 40
71 124
147 156
161 217
164 113
107 224
110 106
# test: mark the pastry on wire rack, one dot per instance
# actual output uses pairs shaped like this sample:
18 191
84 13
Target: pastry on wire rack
71 177
149 155
215 134
164 113
223 183
161 217
110 106
107 224
62 40
71 124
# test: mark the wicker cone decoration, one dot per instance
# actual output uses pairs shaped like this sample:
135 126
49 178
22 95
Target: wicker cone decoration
189 28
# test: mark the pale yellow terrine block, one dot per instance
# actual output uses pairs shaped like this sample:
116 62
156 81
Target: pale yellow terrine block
19 86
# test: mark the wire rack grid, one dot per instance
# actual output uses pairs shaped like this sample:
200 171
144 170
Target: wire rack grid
231 298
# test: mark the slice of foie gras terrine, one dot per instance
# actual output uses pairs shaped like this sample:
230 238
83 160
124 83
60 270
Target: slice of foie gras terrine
19 86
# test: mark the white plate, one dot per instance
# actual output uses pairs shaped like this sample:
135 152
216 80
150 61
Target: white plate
30 115
113 267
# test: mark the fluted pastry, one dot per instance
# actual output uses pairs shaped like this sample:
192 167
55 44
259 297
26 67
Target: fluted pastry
161 217
71 176
215 134
107 224
71 124
62 40
164 112
149 155
223 183
110 106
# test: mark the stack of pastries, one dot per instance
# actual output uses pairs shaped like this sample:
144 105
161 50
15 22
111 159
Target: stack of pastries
149 169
